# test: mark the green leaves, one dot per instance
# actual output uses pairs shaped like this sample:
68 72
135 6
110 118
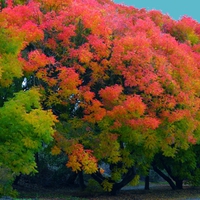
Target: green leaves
10 66
123 83
8 45
24 126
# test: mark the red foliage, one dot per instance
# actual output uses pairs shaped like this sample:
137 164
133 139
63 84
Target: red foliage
127 66
110 94
36 60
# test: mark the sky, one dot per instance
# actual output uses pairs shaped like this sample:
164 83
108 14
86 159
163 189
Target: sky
174 8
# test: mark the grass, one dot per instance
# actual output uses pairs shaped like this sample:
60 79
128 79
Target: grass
159 191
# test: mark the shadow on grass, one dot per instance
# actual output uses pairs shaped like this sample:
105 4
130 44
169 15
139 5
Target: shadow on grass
156 192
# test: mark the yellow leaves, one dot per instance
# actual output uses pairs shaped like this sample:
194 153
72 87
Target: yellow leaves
126 158
193 38
55 150
108 147
24 126
168 151
107 186
116 175
27 169
29 143
69 81
42 121
10 68
56 5
135 180
89 165
85 55
94 111
73 163
81 159
151 141
53 98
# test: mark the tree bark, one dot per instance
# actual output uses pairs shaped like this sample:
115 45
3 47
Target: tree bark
146 187
117 186
171 183
71 179
81 180
127 178
179 184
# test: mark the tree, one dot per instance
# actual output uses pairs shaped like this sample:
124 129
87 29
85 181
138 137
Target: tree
24 124
184 167
123 82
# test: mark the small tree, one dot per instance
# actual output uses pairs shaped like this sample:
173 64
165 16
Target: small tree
24 124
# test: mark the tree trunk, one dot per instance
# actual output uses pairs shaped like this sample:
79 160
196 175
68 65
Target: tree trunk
117 186
72 177
126 179
171 183
179 184
146 183
81 180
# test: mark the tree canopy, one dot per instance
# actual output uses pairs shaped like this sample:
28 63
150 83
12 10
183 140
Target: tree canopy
123 83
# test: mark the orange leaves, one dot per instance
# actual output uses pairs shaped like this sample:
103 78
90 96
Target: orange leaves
56 5
154 89
118 112
69 80
134 105
36 60
131 108
176 115
19 15
23 21
132 49
83 54
146 26
186 29
39 59
32 32
110 94
66 34
99 45
192 140
88 96
93 108
112 64
145 123
81 159
94 20
55 150
94 111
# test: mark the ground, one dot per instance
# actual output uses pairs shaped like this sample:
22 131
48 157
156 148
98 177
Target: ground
156 192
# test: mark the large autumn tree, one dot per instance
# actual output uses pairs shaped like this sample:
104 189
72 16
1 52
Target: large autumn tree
123 82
